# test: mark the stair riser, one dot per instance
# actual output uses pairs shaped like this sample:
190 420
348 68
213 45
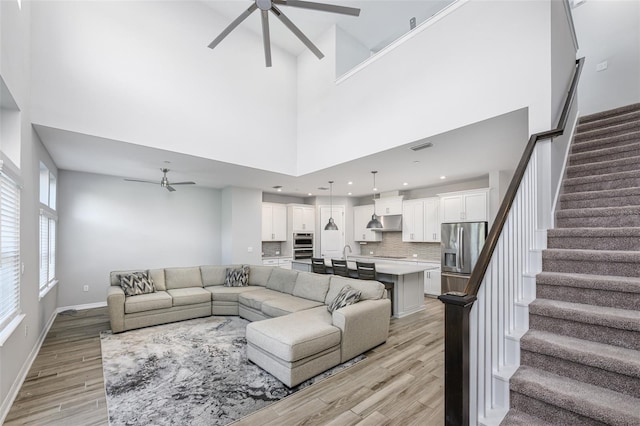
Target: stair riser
593 266
584 373
629 151
596 333
625 167
608 132
611 121
589 296
604 115
594 243
627 182
633 200
605 142
598 221
552 414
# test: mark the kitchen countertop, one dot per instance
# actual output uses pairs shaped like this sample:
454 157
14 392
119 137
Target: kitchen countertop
383 266
391 259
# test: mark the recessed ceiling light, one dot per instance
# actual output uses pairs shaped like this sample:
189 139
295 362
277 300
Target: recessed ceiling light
309 193
416 161
349 183
348 193
443 177
405 184
278 188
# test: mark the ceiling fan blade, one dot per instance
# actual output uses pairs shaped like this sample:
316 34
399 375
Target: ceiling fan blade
182 183
170 188
265 37
232 26
303 38
143 181
320 6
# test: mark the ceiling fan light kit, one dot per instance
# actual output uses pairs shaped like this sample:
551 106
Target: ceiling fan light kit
267 6
164 182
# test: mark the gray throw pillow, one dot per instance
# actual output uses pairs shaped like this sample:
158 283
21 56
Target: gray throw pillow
347 296
237 277
136 283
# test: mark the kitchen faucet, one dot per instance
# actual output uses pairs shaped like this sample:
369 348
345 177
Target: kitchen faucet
344 251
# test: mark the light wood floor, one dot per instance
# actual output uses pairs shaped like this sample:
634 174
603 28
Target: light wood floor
399 383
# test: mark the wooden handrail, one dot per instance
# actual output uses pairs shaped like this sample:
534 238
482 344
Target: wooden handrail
473 285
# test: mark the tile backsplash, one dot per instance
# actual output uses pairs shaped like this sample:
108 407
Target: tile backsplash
392 245
269 249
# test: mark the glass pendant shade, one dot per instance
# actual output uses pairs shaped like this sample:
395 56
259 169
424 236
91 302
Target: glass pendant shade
374 223
331 225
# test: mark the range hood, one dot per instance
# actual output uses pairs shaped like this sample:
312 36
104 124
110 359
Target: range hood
390 223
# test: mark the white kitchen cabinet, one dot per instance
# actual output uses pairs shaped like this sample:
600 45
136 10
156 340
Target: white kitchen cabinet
413 221
280 262
432 284
388 205
362 216
467 206
432 220
301 218
274 222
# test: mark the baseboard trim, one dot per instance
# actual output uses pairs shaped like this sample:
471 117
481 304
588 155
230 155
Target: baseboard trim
5 407
82 307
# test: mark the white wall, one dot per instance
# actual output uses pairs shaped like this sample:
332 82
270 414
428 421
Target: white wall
141 72
563 55
241 226
474 64
108 224
608 30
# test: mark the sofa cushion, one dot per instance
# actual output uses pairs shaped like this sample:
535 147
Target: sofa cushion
347 296
147 302
157 275
292 340
237 277
229 294
259 275
312 286
369 290
286 305
136 283
189 296
114 276
182 277
282 280
254 299
213 275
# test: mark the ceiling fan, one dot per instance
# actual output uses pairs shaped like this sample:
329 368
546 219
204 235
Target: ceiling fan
164 182
270 5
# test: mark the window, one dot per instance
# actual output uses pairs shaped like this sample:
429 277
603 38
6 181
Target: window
9 245
48 223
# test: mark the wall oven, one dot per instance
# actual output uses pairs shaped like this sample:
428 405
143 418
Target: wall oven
303 245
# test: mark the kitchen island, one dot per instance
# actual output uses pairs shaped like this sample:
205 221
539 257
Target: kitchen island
407 279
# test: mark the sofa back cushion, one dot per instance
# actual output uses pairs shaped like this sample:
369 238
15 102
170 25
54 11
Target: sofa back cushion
368 289
157 275
213 275
312 286
282 280
259 275
182 277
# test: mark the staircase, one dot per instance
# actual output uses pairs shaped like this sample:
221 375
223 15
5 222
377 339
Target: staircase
580 359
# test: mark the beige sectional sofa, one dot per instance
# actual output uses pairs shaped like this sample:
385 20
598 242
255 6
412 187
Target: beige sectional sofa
293 335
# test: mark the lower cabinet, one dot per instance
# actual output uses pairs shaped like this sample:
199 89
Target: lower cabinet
432 284
280 262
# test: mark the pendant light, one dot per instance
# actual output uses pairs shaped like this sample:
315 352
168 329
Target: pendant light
374 223
331 225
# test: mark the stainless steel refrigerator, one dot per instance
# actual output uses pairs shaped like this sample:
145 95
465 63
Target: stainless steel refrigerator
460 245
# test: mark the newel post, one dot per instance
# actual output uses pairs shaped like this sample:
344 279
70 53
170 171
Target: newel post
456 358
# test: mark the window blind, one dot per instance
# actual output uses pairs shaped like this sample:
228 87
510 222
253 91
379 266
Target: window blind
9 248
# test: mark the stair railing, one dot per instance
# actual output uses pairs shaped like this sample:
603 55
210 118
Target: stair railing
477 319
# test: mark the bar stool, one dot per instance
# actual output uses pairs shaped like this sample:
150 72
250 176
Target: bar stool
367 271
318 266
340 267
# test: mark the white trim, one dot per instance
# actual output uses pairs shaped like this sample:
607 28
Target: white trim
8 330
564 170
82 307
26 366
406 37
572 27
47 289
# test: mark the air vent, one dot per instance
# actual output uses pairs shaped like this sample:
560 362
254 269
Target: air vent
421 146
323 188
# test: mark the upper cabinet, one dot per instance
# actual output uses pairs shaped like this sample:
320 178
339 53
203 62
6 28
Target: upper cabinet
388 205
362 216
420 220
274 222
466 206
301 218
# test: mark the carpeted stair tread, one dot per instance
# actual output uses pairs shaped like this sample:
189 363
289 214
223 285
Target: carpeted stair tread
609 121
587 400
599 133
606 141
603 115
622 319
603 154
587 281
599 212
594 354
604 167
597 262
616 180
517 417
599 217
602 198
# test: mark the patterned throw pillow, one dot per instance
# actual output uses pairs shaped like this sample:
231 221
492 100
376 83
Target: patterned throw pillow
238 277
347 296
136 283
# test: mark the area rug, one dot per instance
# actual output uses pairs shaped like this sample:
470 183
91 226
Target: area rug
190 372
